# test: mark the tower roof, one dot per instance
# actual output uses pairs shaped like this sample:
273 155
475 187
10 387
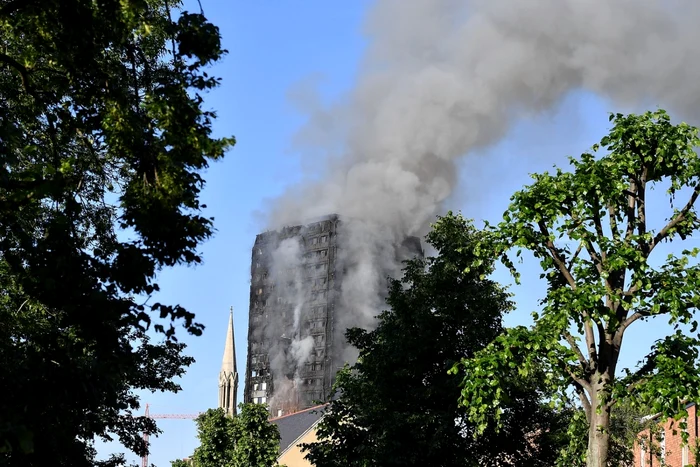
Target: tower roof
228 363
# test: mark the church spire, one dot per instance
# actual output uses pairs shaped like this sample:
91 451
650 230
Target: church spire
228 377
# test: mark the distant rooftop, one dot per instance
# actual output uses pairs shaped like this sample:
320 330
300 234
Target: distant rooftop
293 426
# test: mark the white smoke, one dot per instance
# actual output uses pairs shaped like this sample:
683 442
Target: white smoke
301 350
443 78
289 349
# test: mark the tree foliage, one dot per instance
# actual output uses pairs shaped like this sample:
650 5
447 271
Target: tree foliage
397 405
592 233
244 440
103 139
257 440
217 439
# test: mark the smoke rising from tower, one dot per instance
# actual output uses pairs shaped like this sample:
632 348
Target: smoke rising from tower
443 78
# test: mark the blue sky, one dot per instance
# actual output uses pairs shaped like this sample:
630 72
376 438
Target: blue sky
273 46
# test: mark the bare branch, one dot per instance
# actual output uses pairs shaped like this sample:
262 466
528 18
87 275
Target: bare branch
630 320
580 386
587 242
561 265
612 216
641 204
599 231
584 401
631 213
594 256
572 343
679 217
576 253
626 323
577 380
22 305
558 260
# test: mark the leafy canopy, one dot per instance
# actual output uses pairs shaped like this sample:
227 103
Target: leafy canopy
397 405
594 233
103 140
244 440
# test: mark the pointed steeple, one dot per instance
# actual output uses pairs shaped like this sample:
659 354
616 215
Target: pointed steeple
228 377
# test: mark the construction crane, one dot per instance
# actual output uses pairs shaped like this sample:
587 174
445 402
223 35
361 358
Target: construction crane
182 416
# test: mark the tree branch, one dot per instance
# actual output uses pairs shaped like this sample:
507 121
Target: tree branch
576 253
630 320
584 401
572 343
587 242
561 265
23 72
641 204
599 230
631 196
681 215
612 215
558 260
577 380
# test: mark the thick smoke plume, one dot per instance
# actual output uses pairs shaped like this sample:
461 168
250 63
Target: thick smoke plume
443 78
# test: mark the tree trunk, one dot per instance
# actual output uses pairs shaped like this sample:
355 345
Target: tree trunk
598 432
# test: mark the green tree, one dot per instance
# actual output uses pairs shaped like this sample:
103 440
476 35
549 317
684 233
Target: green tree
217 439
245 440
257 440
397 405
102 142
179 463
627 420
595 239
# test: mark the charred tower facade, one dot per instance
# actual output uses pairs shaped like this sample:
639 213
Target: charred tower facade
294 336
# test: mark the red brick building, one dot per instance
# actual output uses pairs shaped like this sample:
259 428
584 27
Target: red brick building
666 447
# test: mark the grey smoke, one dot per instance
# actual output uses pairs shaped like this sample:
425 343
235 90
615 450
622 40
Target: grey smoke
289 350
443 78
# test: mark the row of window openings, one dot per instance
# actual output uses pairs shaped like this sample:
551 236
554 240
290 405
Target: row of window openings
260 400
262 358
313 241
316 254
317 295
319 339
312 324
321 281
316 311
323 226
317 240
259 372
260 386
314 366
309 268
280 300
258 358
317 324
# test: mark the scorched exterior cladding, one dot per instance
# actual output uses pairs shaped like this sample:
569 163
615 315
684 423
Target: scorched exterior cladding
293 337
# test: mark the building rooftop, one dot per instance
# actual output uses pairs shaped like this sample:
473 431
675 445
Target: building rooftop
293 426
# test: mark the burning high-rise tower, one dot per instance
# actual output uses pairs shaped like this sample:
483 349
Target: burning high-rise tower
298 311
